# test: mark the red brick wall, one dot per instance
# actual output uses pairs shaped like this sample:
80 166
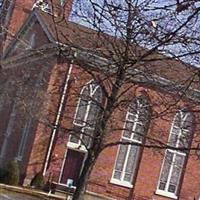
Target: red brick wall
77 80
151 160
21 11
49 111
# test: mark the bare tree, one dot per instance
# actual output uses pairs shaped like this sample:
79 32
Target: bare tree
129 44
134 43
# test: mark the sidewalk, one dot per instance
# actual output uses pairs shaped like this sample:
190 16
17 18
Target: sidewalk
21 193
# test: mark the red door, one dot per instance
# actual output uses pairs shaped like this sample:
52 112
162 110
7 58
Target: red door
72 166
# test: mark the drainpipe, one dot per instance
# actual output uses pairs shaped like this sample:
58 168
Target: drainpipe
58 116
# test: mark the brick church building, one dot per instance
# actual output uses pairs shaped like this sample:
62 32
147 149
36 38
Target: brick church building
53 79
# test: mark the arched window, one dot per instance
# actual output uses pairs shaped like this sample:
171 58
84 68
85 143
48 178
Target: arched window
87 113
180 137
44 5
1 4
135 129
62 2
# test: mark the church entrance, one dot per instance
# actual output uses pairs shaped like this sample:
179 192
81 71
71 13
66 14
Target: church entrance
72 167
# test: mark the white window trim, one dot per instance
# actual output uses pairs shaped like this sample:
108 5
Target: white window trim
175 152
43 5
77 107
166 194
88 103
62 3
79 146
76 146
122 182
84 125
71 147
179 135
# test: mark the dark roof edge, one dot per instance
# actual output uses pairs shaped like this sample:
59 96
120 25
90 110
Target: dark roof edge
100 63
153 80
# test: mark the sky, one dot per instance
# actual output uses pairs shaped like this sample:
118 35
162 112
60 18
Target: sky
152 19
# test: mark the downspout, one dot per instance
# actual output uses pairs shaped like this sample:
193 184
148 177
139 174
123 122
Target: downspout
58 116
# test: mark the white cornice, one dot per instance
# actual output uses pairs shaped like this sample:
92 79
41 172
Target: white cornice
90 59
29 56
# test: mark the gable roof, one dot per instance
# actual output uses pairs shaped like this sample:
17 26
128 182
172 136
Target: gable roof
18 38
76 35
156 68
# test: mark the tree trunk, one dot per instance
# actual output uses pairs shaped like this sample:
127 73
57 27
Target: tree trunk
83 179
97 145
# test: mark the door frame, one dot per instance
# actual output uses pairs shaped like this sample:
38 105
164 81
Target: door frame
71 147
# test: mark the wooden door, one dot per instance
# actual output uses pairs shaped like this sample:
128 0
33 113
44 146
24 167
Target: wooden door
72 167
